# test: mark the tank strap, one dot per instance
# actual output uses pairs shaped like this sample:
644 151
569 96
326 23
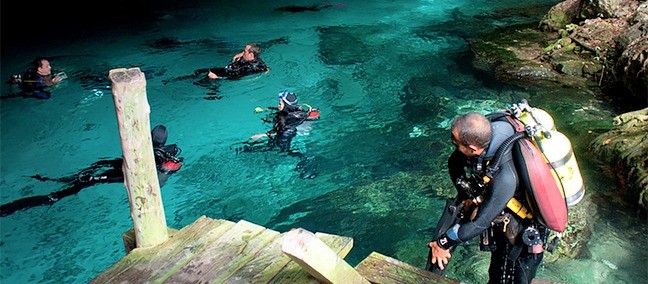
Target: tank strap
516 123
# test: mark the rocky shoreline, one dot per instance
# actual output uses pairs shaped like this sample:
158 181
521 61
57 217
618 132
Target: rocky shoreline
601 48
609 39
596 45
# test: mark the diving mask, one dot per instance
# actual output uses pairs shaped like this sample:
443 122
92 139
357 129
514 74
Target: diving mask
288 98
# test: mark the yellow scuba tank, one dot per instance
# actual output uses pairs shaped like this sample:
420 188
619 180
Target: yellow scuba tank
557 150
560 155
536 117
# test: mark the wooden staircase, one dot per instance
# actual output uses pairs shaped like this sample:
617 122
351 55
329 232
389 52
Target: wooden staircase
221 251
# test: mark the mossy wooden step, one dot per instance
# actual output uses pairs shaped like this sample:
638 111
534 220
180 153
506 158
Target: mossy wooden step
378 268
216 251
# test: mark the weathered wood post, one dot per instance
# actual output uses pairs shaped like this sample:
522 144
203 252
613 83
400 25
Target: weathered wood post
140 174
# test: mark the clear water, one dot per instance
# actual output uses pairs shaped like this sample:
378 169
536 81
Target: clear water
376 69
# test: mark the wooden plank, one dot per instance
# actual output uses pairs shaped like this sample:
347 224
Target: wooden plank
128 238
378 268
271 261
265 265
341 245
189 246
318 259
293 273
154 263
242 256
223 256
268 264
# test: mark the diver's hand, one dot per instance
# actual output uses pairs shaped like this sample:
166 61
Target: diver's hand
57 80
439 255
212 75
237 56
257 136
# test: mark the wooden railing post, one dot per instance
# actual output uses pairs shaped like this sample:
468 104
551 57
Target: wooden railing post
140 174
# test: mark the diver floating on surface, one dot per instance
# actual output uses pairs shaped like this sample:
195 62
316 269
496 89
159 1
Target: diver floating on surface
102 171
244 63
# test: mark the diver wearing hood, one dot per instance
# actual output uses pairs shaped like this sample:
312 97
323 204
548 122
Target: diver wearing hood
102 171
288 117
166 158
290 114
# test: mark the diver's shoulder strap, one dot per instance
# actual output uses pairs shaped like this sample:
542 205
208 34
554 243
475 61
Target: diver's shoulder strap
508 116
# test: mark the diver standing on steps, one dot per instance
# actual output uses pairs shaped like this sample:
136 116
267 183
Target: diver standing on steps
102 171
480 208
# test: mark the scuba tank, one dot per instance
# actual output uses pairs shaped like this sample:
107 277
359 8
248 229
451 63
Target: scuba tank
544 199
556 148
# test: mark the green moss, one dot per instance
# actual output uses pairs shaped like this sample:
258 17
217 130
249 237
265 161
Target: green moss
559 18
562 33
489 50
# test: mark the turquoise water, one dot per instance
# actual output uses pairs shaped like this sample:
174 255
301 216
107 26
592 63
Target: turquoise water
378 70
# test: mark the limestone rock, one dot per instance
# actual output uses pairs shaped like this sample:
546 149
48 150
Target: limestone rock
625 146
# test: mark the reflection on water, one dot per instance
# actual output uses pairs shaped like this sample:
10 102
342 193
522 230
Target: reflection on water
388 77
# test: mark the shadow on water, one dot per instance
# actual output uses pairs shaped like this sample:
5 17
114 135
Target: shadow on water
391 210
310 8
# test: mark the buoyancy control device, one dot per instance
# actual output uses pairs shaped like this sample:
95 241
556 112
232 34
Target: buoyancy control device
557 150
546 166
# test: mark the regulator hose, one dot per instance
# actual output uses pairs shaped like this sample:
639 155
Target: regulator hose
493 167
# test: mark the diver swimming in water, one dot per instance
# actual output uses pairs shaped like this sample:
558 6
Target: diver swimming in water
244 63
286 120
37 81
102 171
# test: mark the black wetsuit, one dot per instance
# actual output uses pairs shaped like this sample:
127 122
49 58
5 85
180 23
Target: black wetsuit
280 138
34 85
284 129
102 171
240 68
232 71
504 185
